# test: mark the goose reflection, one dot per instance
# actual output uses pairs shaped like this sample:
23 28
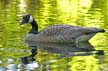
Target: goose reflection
80 49
63 49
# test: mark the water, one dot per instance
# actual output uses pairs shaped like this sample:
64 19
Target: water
14 52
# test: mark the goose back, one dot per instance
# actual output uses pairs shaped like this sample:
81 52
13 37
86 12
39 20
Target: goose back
62 33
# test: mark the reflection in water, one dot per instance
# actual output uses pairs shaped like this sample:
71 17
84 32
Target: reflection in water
70 49
65 49
30 58
62 50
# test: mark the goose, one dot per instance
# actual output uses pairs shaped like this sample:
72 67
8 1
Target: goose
58 33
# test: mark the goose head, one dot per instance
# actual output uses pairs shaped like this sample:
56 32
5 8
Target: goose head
29 19
26 19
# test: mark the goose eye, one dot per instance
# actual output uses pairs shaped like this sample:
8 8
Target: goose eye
26 19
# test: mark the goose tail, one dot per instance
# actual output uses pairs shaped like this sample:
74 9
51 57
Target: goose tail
101 30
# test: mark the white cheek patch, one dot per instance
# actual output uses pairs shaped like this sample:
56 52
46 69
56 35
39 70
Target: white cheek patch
30 19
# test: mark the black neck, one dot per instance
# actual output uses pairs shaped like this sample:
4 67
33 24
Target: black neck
34 29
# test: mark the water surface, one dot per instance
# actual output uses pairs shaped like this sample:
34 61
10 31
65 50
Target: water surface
85 13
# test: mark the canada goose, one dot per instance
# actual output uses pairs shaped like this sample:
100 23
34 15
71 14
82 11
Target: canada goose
58 33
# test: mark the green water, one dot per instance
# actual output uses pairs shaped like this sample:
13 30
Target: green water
86 13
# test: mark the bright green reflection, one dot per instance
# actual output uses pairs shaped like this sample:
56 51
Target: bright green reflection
89 13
